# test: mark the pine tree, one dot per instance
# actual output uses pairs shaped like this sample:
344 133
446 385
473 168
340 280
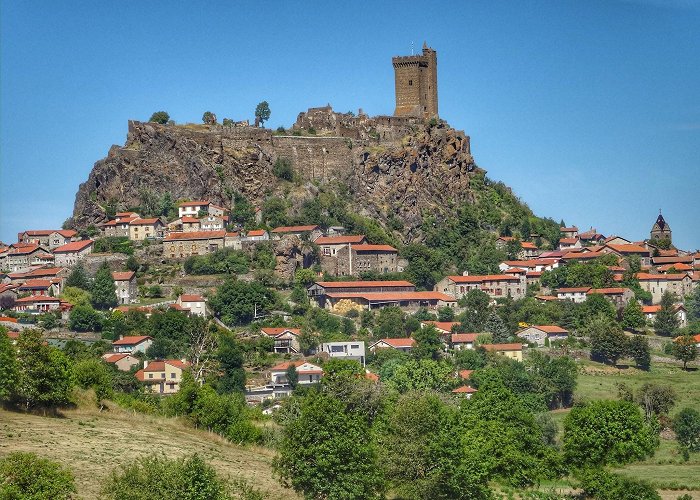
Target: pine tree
78 278
496 327
104 293
666 322
632 316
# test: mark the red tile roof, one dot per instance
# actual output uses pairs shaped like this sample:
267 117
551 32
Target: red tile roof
196 203
363 284
294 229
687 259
146 222
196 235
481 279
661 277
465 389
550 328
37 298
568 229
460 338
192 298
528 245
531 262
628 248
503 347
401 342
678 266
189 220
75 246
340 240
568 241
465 374
273 332
392 296
445 326
44 271
36 284
579 289
123 275
651 309
374 248
132 340
115 357
256 232
608 291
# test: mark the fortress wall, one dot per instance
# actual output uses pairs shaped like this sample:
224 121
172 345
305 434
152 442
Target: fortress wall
316 157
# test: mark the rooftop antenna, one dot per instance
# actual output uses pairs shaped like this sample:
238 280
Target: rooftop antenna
411 47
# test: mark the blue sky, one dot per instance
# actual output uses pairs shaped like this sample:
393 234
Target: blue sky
590 110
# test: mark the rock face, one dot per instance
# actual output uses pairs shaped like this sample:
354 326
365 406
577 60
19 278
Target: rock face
399 167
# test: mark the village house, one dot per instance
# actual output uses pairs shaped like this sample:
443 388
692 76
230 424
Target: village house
541 264
443 327
212 223
494 285
233 240
37 304
192 208
651 311
307 374
674 260
331 245
569 243
123 362
459 341
310 232
162 377
354 259
319 290
217 211
626 250
402 344
464 390
146 229
542 334
181 245
256 235
188 224
194 304
353 350
409 301
619 296
132 344
125 285
680 284
512 351
22 256
286 339
68 255
569 232
47 287
117 227
8 295
574 294
591 237
49 238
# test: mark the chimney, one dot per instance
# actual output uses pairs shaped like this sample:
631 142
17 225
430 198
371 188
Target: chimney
121 337
465 273
145 364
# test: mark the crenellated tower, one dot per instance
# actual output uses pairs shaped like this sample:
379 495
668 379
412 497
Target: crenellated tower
415 80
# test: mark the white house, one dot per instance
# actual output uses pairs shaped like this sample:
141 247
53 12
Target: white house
402 344
192 208
575 294
132 344
345 350
196 304
651 311
286 339
460 341
307 373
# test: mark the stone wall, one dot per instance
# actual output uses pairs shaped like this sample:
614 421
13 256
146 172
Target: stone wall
316 158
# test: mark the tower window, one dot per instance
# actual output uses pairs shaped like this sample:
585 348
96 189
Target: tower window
410 82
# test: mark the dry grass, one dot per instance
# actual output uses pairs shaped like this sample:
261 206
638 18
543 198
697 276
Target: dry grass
93 443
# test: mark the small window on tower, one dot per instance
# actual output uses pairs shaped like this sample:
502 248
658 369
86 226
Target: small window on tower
410 82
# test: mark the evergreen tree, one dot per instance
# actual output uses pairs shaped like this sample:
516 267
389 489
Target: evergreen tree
692 305
639 350
666 322
230 358
78 278
104 293
8 366
632 316
496 327
608 341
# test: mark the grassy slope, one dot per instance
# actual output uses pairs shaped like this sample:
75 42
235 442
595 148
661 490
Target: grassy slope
93 443
665 469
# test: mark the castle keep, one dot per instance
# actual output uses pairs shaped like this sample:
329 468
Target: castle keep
415 80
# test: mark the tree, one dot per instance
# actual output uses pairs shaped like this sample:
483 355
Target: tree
237 302
76 296
632 316
656 399
428 343
78 278
187 478
446 314
602 485
44 377
686 425
328 453
283 169
599 433
161 117
666 322
103 290
496 327
94 374
390 323
8 366
419 375
26 476
292 375
639 350
685 349
84 319
132 264
608 341
230 356
262 113
209 118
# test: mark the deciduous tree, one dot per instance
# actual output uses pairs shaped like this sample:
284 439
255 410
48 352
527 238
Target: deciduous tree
262 113
685 349
161 117
666 322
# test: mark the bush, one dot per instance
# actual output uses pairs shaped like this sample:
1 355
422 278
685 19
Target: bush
93 373
686 425
225 261
26 476
602 485
85 319
283 169
161 117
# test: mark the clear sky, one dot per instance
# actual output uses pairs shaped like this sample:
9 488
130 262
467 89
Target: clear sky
589 110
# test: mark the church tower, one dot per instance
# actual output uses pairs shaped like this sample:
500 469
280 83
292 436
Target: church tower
415 81
660 230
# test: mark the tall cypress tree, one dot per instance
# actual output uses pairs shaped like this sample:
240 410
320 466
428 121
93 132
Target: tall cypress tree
496 327
666 322
104 293
78 277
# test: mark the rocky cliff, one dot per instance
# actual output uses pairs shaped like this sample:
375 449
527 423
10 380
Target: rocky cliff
391 167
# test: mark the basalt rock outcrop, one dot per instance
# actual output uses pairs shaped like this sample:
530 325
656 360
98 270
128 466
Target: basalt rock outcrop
393 167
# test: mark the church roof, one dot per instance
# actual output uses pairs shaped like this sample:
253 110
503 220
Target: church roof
661 222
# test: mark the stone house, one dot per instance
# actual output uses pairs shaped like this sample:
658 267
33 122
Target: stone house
353 350
146 229
217 211
307 374
539 334
49 238
195 304
192 208
233 240
70 254
162 377
401 344
680 284
117 227
188 224
569 232
181 245
123 362
408 301
574 294
330 245
8 292
212 223
354 259
132 344
310 232
319 290
22 256
619 296
49 287
512 351
494 285
569 243
626 250
125 284
286 339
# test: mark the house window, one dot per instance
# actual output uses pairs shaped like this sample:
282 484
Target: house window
410 82
150 375
172 375
311 378
162 375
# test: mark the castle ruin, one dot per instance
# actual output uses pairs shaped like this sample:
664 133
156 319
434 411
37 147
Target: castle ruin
415 81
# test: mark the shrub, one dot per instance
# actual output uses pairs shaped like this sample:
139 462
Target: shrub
27 476
161 117
283 169
602 485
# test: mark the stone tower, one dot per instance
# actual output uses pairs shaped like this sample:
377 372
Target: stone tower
415 80
660 230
